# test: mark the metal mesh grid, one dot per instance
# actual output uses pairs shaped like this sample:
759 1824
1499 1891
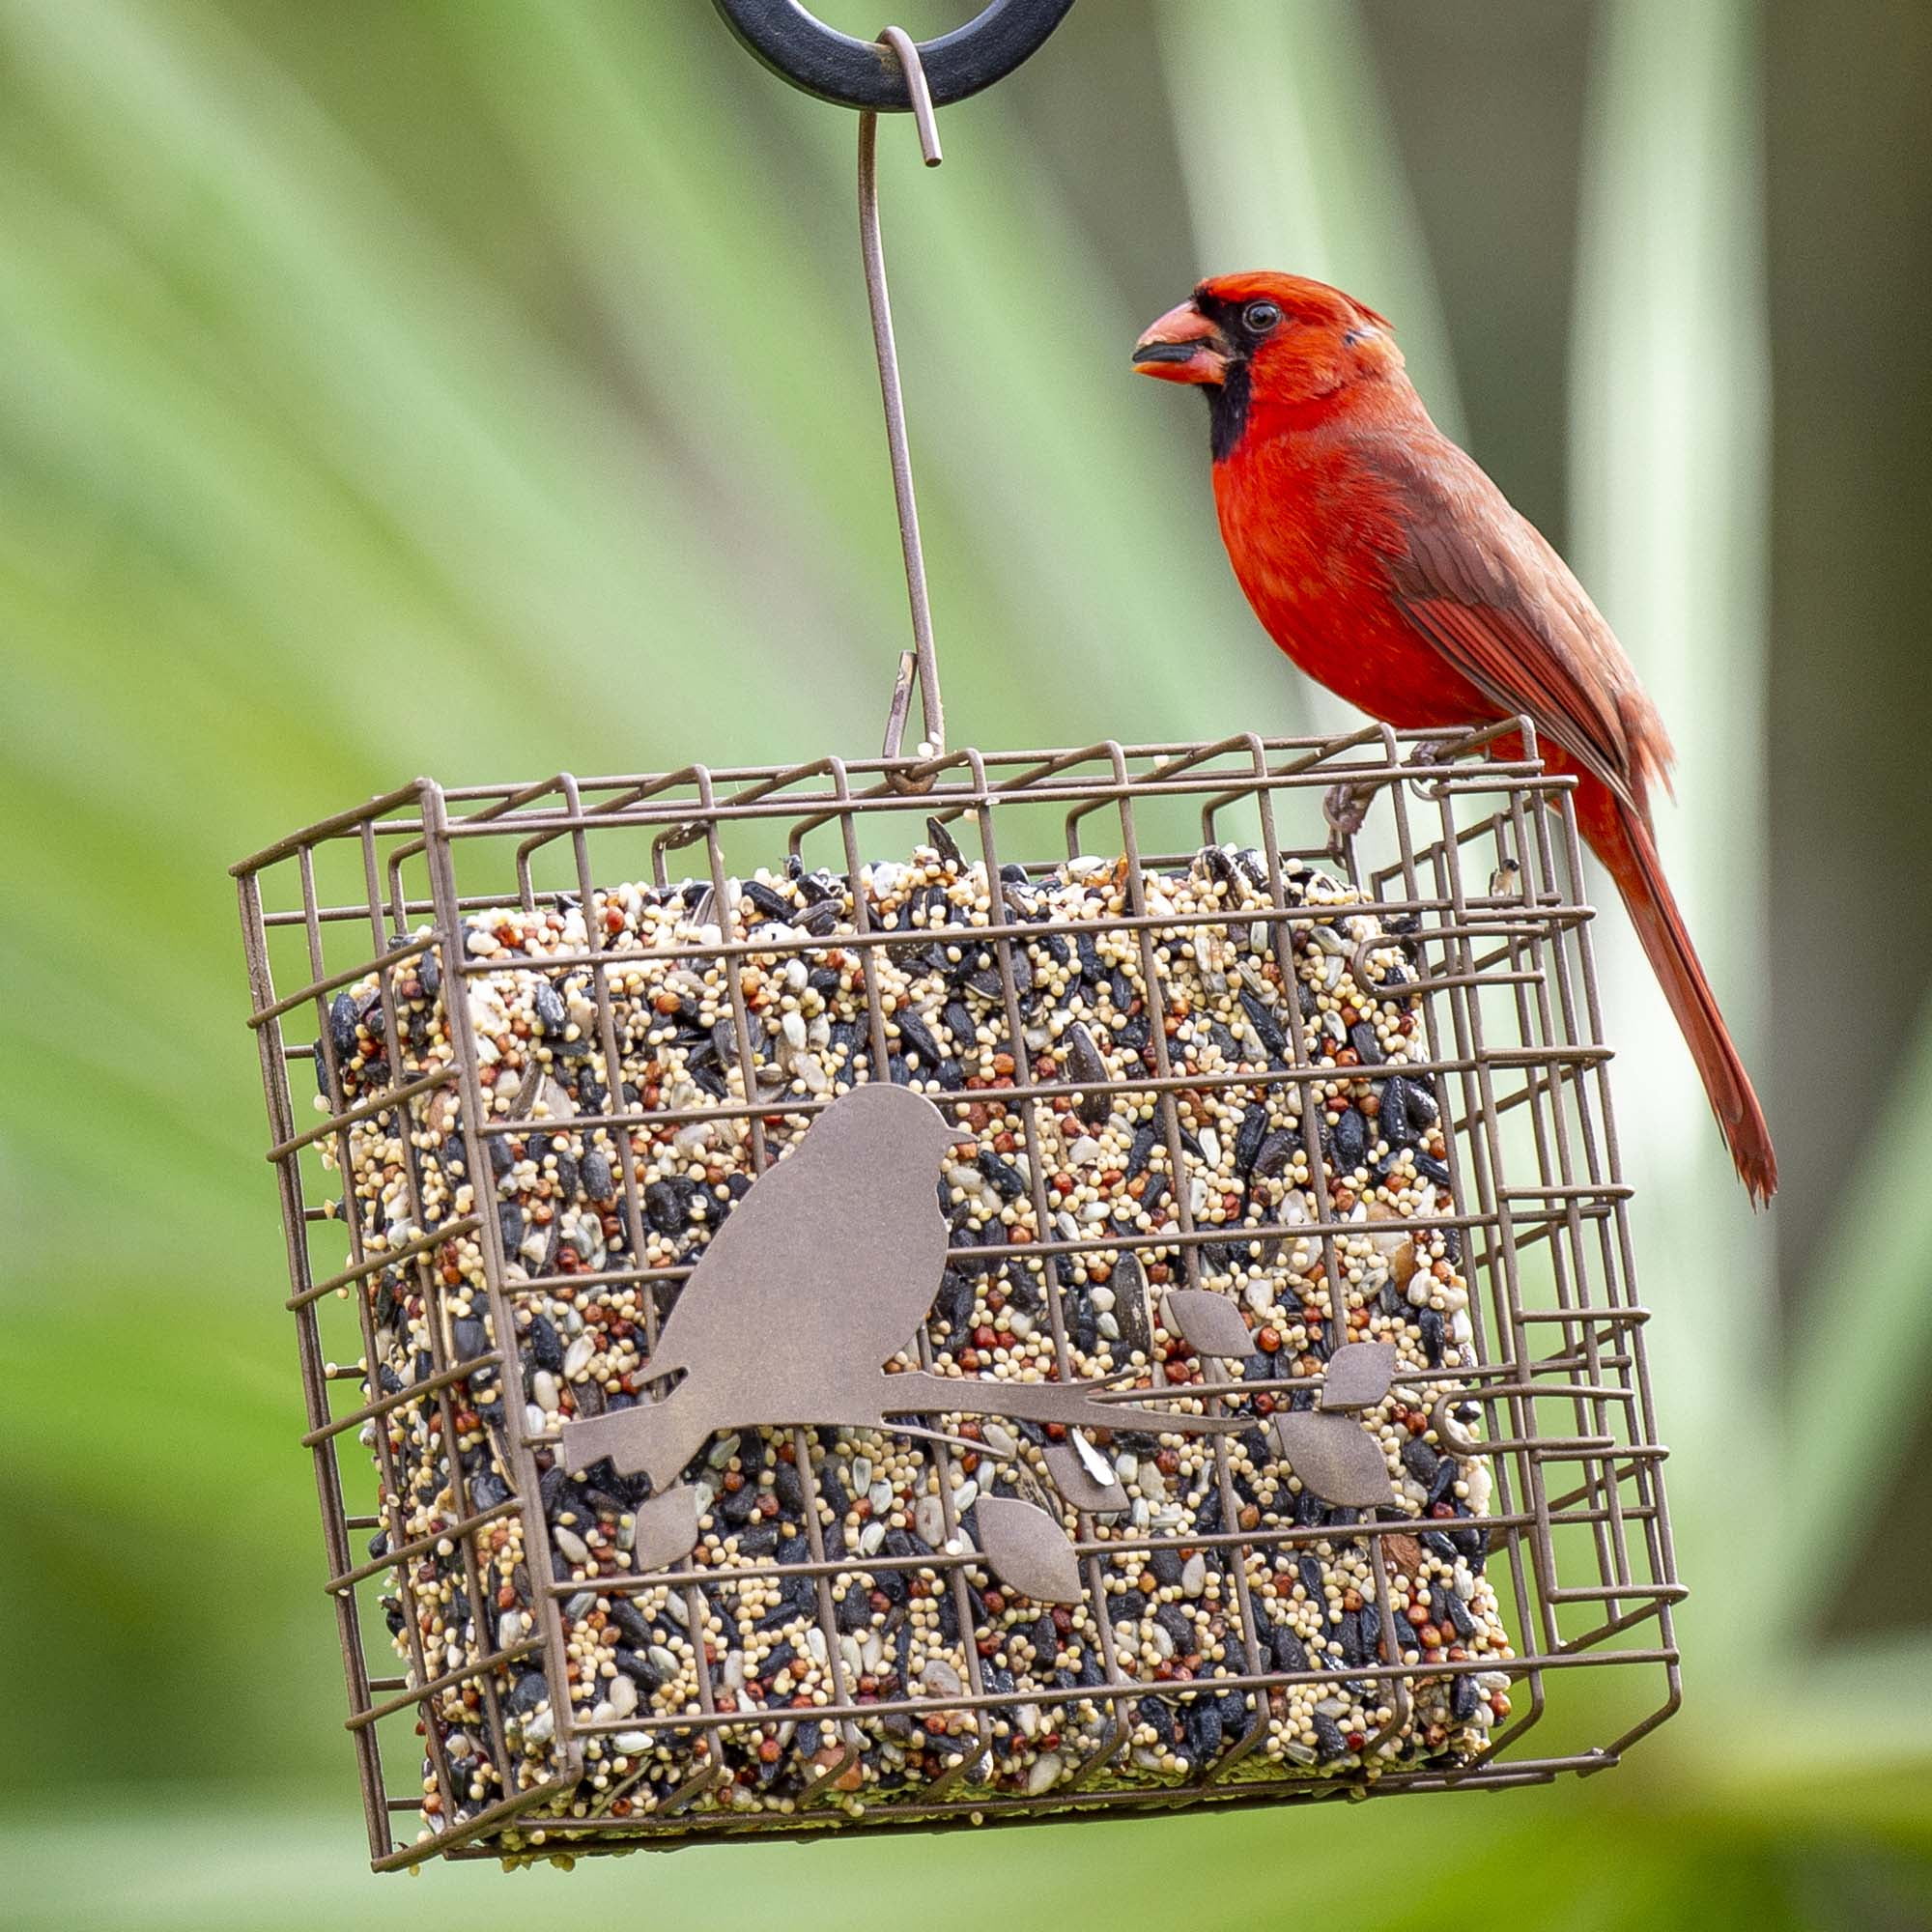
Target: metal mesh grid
1482 858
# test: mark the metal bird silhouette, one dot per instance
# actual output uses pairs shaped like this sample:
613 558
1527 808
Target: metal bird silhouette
822 1272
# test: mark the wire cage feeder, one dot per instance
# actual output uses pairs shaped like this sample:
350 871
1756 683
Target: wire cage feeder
1193 1358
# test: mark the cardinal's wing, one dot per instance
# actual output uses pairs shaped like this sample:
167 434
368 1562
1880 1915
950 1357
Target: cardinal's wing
1479 581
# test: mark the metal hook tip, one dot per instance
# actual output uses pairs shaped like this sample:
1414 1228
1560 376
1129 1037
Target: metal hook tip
906 50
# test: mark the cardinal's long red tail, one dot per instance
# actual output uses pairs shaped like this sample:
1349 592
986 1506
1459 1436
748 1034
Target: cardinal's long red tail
1623 842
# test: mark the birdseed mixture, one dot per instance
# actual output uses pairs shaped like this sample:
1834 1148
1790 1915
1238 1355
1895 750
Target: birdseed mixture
1197 1597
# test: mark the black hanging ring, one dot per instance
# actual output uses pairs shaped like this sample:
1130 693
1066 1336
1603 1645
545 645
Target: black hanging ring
863 73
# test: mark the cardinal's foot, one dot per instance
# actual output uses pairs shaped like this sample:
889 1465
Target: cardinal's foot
1437 751
1346 807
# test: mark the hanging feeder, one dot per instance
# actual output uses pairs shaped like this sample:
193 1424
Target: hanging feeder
924 1308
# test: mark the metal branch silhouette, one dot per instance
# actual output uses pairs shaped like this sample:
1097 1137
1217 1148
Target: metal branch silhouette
822 1272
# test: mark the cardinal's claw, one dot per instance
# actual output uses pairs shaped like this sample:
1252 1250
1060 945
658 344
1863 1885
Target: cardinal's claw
1346 807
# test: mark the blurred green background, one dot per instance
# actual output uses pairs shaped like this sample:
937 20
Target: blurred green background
481 387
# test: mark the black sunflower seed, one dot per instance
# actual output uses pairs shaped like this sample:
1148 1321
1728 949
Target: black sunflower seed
1397 1118
1350 1139
1249 1135
1276 1151
943 842
917 1035
342 1025
631 1621
1154 1712
487 1490
1433 1334
545 1345
1329 1743
1088 1071
1308 1568
1268 1029
1083 1322
772 905
668 1205
1203 1729
637 1665
1006 1177
954 1305
1354 1650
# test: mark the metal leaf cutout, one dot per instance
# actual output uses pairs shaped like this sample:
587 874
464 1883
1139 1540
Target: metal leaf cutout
1359 1374
1210 1324
666 1529
1084 1476
1028 1549
1335 1457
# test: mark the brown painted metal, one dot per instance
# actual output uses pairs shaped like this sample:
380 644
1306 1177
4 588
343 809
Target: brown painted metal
840 1250
1560 1407
1028 1551
1210 1324
1334 1456
1358 1374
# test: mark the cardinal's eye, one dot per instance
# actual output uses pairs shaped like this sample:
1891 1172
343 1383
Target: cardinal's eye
1257 317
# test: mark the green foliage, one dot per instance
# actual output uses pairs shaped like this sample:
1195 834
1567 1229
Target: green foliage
484 387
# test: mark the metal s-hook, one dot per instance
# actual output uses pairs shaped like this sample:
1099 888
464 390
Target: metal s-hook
895 73
921 662
855 74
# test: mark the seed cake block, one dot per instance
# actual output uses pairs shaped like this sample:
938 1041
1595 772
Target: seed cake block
837 1570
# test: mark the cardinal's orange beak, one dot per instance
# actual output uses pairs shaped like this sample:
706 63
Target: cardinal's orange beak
1182 346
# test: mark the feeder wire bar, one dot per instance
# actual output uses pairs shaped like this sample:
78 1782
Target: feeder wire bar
925 665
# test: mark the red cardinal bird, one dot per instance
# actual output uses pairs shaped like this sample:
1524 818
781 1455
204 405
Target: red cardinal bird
1389 567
